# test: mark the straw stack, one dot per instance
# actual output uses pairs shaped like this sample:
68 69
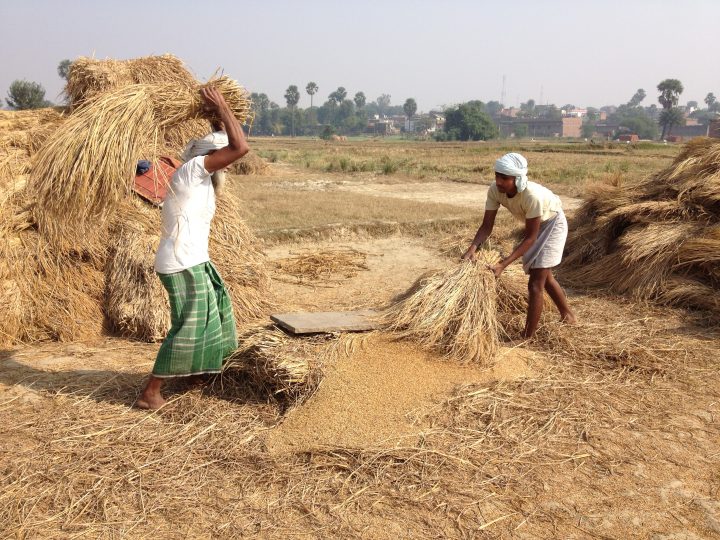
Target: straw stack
658 238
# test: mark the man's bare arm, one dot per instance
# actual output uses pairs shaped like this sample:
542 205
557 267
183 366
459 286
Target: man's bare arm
237 145
482 234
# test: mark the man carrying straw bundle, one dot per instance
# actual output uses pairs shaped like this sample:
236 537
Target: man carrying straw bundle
545 234
202 329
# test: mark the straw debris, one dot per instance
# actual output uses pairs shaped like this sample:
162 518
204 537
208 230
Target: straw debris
287 367
329 266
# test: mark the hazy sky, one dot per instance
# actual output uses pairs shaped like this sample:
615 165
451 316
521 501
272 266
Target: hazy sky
581 52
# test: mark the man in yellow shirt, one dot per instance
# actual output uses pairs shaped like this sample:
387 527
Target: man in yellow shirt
545 234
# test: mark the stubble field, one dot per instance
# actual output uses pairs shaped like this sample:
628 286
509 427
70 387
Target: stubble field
605 430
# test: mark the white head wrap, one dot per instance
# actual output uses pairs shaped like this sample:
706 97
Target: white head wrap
200 147
514 164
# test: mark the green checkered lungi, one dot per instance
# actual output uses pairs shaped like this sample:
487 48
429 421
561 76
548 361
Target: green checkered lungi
202 331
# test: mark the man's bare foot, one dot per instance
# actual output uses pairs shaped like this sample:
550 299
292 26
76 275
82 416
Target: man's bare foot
569 319
151 398
150 402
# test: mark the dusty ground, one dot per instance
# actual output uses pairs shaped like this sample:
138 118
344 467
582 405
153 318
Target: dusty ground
549 442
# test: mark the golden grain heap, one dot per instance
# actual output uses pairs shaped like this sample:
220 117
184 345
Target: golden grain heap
77 246
656 238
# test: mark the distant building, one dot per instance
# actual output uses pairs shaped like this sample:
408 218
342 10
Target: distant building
541 127
575 113
690 131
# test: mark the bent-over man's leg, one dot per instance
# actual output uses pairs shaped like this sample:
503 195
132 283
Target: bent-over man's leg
536 288
557 295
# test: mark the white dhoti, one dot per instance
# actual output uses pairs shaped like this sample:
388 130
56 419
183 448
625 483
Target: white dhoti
547 251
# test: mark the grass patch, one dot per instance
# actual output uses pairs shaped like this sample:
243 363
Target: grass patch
565 167
269 208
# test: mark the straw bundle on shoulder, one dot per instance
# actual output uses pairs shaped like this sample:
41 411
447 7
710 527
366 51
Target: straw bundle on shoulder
88 165
454 311
656 238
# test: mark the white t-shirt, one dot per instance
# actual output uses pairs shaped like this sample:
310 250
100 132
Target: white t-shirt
534 201
186 215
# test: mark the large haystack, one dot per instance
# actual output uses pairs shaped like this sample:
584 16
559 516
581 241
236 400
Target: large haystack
658 238
66 276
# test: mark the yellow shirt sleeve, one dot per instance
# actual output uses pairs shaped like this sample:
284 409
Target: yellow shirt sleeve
491 202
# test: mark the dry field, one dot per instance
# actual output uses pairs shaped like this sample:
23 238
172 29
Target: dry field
605 430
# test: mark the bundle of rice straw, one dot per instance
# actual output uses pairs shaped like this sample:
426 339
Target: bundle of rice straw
44 294
658 238
282 365
453 311
87 167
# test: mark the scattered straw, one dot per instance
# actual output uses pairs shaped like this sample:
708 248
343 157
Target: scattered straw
329 266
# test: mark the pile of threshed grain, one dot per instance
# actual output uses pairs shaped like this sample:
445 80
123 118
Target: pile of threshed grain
459 311
658 238
66 276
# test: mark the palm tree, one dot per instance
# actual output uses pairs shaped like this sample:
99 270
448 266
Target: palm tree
410 107
292 96
670 90
339 95
360 100
311 89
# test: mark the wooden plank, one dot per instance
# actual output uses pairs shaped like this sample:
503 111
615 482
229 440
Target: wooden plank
326 322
